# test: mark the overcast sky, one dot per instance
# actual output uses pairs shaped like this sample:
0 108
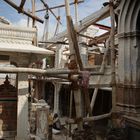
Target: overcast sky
84 9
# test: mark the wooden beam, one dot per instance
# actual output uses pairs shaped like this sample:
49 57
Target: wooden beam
86 36
93 18
33 12
75 42
86 22
89 119
113 57
104 27
99 39
41 71
22 4
59 6
58 42
12 4
72 41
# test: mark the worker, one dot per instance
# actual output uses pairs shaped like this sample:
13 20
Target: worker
56 124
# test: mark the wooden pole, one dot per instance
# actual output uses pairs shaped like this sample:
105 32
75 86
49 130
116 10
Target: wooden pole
57 25
60 6
33 12
22 4
72 41
76 14
49 72
89 119
28 20
112 44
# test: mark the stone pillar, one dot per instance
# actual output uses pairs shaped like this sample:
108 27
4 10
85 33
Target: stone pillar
22 107
42 121
128 88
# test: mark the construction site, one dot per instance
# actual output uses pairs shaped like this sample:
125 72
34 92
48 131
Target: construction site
71 72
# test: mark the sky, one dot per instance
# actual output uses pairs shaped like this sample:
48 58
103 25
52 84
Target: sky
84 9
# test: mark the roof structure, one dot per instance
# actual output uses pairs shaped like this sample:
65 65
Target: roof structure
20 40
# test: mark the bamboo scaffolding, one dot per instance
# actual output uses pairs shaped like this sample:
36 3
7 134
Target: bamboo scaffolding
41 71
23 11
